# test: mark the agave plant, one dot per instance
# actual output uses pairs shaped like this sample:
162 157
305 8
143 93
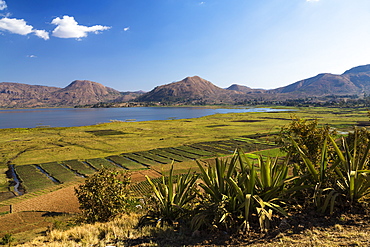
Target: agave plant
172 198
345 173
236 189
319 176
352 168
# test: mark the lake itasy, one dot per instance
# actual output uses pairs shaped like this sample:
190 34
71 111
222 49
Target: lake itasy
70 117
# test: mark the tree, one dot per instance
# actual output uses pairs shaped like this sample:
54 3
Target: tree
308 135
104 195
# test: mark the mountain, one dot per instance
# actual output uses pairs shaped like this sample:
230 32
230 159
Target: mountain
77 93
189 90
353 81
84 92
24 95
245 89
195 90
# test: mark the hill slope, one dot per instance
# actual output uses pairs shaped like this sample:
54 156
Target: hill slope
353 81
77 93
84 92
189 90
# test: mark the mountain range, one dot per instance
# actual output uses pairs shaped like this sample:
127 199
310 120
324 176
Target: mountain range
191 90
79 92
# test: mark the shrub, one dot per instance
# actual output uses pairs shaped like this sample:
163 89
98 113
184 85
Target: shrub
104 195
308 135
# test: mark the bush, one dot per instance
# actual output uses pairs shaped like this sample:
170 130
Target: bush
308 135
104 195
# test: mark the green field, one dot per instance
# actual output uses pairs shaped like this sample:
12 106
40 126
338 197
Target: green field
62 152
79 167
59 172
32 179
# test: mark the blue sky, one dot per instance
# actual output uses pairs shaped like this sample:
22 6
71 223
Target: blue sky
139 44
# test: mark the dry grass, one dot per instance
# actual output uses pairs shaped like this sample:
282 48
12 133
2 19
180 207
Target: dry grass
98 234
121 232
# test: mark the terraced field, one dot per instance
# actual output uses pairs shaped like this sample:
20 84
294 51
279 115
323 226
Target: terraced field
40 176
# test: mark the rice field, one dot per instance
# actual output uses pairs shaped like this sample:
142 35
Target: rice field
71 153
37 177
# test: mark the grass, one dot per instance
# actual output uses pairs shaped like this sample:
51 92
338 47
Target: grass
139 145
42 145
194 151
275 152
140 159
4 183
79 167
90 143
183 153
100 163
122 232
159 159
126 163
59 172
32 179
168 154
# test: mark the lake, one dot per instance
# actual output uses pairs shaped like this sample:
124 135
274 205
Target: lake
69 117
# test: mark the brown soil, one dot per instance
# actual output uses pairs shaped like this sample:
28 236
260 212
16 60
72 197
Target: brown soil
62 200
6 195
23 221
139 176
30 214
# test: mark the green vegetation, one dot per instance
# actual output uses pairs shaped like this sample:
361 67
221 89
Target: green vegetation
140 159
243 193
239 195
32 178
100 163
4 183
233 131
8 239
172 200
126 163
42 145
104 195
57 171
79 167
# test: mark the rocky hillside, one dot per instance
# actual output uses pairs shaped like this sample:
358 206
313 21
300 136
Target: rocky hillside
193 90
84 92
245 89
77 93
353 81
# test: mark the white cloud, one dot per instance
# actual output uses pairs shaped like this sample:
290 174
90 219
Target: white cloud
19 26
32 56
67 27
201 3
126 29
3 5
42 34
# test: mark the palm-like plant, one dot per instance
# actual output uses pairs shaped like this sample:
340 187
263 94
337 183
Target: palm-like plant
346 172
236 189
172 199
319 176
352 168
